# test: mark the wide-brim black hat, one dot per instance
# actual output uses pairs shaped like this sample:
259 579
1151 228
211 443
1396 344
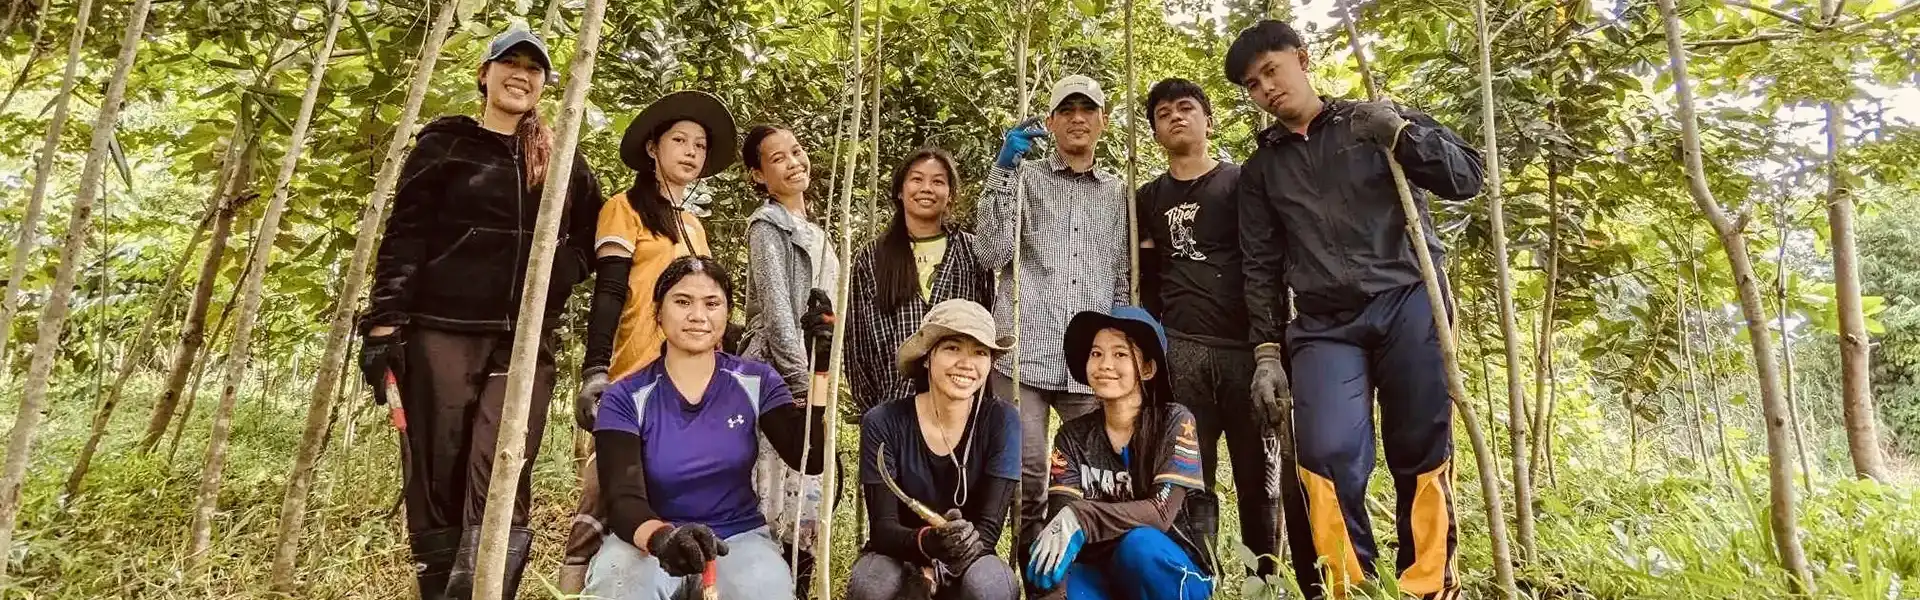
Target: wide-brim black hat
723 137
1139 326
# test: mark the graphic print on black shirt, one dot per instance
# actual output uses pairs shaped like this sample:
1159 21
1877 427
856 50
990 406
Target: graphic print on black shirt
1195 230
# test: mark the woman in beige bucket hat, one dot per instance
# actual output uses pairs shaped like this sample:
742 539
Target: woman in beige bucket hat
952 448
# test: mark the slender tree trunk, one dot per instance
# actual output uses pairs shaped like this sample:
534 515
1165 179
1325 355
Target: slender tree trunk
874 219
1509 329
1693 381
332 363
53 318
13 12
34 50
251 284
142 344
205 361
1449 350
25 240
1786 530
509 452
1545 393
1786 351
1863 437
227 196
1729 456
550 21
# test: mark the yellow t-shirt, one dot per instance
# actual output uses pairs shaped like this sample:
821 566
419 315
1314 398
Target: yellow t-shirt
637 341
927 254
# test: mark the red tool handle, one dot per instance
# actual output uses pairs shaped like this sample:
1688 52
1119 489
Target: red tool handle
708 591
395 413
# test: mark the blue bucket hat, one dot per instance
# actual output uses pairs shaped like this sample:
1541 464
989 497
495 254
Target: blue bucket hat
1139 326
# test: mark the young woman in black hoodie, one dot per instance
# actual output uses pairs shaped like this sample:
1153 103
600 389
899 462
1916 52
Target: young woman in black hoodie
445 297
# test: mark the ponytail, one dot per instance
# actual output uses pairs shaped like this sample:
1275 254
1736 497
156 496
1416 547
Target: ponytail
536 146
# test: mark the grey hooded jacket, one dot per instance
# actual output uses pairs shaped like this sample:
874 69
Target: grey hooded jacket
781 270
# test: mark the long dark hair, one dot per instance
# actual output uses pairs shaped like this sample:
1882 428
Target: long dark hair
687 266
657 214
893 272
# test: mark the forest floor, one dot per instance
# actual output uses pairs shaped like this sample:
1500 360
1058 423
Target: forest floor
1614 526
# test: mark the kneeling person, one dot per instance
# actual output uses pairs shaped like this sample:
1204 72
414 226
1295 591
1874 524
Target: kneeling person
953 450
1128 512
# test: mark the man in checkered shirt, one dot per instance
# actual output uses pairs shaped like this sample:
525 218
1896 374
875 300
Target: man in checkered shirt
1074 258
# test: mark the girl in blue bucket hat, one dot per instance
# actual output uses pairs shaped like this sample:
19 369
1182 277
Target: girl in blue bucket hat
1128 512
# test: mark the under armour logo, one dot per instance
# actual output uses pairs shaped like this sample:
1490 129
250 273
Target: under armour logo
735 421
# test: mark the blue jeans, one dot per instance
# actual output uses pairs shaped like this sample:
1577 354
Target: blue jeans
1146 565
752 568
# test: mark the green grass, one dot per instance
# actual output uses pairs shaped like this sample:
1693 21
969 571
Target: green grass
1603 533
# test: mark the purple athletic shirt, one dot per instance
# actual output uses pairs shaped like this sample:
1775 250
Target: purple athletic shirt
698 458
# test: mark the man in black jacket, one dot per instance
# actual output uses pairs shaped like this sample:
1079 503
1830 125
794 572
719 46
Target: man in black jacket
1320 214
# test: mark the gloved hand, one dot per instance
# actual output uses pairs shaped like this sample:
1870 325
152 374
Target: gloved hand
593 382
684 550
1019 141
1055 550
1272 394
956 543
817 325
1377 123
380 354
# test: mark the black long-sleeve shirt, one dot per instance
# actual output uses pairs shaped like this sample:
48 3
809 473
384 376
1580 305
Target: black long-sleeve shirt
1319 213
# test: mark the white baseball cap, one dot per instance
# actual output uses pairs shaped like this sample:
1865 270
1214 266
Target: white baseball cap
1076 84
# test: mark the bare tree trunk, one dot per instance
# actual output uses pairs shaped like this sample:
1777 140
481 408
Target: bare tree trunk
24 241
53 319
1693 381
879 79
1786 531
142 344
1786 350
13 12
1863 436
1545 393
34 50
251 284
552 19
1728 454
1509 329
228 197
332 364
491 568
1445 332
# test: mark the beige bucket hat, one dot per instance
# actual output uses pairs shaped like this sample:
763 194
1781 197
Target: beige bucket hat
953 317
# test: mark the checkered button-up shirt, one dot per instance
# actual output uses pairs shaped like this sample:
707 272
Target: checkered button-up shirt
1074 258
875 334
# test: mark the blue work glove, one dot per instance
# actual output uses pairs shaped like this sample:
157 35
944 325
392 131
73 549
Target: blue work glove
1055 550
1019 142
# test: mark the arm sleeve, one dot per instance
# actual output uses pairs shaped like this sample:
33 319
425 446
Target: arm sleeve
623 482
585 200
1103 521
609 300
994 216
1437 160
1263 246
887 534
785 348
789 426
867 362
403 247
1152 258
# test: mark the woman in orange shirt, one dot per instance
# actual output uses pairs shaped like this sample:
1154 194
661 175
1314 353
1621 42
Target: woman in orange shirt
679 139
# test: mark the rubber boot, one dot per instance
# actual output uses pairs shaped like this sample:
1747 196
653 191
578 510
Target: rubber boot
460 578
519 543
433 556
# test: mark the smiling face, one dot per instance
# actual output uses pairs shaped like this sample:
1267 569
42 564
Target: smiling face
784 167
680 153
957 367
694 314
513 83
1076 125
1112 370
926 192
1277 82
1181 125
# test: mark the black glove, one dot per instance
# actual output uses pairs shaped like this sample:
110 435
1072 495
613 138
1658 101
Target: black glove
1377 123
686 549
1272 393
379 355
956 543
817 325
593 382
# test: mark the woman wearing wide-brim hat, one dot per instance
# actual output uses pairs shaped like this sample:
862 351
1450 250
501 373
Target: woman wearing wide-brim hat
951 447
672 144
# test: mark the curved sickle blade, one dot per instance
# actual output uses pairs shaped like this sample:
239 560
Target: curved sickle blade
886 477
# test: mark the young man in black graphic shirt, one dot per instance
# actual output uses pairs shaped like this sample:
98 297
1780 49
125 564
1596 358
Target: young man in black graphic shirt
1191 278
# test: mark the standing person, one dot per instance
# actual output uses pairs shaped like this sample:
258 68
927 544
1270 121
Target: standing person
920 261
950 448
792 271
676 141
1191 278
1319 213
446 293
1128 515
1073 228
677 443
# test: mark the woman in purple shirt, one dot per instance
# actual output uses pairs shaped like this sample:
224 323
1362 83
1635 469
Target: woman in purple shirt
685 425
